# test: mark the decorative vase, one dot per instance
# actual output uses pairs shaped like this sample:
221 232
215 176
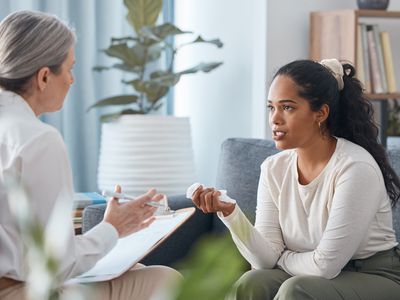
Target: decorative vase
373 4
143 151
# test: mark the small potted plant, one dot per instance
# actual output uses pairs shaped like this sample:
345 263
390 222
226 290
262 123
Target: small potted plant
140 149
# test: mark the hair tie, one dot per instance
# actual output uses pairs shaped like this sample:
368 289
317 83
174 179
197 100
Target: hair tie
336 68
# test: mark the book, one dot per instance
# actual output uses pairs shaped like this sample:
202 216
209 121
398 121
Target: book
81 200
388 62
373 61
382 73
367 72
360 57
77 213
131 249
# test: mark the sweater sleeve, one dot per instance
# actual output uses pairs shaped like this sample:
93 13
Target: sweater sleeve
261 245
354 205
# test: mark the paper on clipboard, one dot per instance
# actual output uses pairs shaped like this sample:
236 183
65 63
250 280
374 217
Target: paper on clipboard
131 249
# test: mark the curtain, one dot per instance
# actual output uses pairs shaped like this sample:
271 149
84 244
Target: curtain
95 22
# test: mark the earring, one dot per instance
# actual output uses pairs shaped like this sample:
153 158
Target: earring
320 129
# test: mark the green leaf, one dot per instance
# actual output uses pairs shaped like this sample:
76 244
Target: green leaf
116 100
126 68
143 12
152 89
114 116
100 68
123 39
160 32
205 67
199 39
131 56
165 78
122 66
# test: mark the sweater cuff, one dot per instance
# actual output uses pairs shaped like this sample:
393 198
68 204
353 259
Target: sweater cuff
108 234
229 220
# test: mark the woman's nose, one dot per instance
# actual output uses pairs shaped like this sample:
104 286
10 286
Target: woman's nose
275 117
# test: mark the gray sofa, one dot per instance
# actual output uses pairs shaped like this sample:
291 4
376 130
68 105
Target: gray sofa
238 173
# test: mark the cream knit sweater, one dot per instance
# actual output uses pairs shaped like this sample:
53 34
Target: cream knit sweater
315 229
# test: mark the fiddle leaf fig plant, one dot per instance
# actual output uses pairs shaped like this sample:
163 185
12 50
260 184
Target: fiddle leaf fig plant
136 53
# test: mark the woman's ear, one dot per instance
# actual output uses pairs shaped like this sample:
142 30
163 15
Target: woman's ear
323 113
42 78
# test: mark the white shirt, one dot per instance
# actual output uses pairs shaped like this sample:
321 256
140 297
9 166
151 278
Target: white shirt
35 153
315 229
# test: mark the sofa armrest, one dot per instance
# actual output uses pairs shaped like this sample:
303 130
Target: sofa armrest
177 245
92 215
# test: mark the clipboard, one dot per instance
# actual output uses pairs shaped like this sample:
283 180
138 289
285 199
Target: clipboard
133 248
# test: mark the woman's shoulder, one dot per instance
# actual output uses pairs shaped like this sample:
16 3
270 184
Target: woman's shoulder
20 133
351 154
278 160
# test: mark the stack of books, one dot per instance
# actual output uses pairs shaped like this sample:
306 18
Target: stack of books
374 60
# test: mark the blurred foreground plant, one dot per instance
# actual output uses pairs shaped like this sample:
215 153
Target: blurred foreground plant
211 270
44 247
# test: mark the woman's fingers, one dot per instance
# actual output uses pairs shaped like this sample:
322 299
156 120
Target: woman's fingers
202 204
216 202
196 196
208 200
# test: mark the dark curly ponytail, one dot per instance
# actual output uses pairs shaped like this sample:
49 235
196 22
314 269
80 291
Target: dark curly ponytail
351 114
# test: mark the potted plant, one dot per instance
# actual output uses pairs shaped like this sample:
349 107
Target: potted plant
137 52
140 149
393 129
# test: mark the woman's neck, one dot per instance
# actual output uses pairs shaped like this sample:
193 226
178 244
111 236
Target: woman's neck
311 160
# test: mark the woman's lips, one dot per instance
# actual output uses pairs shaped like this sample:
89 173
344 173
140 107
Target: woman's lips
278 135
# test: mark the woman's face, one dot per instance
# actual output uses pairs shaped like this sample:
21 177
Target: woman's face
293 123
58 85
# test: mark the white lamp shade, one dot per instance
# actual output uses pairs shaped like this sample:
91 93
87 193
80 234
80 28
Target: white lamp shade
143 151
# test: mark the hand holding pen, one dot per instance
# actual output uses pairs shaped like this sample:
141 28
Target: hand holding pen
132 216
126 198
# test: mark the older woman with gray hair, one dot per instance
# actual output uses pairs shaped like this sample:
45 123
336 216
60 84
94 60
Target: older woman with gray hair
36 61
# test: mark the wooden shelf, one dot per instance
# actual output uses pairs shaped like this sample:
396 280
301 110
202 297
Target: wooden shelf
383 96
373 13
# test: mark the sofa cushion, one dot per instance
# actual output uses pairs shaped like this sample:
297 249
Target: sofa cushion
239 171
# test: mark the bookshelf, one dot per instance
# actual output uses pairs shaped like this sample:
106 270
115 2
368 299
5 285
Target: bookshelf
334 34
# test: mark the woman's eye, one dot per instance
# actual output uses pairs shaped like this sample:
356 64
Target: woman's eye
270 107
286 107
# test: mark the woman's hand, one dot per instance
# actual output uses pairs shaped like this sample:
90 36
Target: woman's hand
131 216
208 201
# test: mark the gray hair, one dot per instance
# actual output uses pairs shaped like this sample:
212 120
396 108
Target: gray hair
29 41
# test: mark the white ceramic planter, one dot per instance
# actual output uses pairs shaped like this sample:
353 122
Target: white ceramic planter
143 151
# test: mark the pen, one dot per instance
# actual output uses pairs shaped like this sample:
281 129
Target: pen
128 198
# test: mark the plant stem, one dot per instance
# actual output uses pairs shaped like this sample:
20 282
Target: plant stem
142 96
